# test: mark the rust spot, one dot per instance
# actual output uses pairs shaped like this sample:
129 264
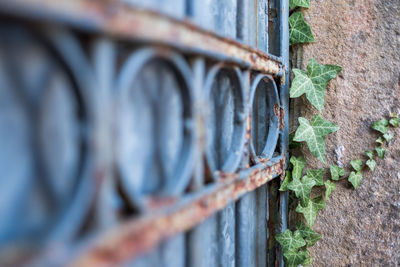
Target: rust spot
282 119
276 110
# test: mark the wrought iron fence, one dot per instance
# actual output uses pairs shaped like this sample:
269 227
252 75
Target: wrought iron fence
142 133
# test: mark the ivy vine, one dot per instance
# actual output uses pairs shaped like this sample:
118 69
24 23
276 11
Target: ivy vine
312 83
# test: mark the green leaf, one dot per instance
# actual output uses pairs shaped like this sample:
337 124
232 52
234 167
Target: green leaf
302 188
380 140
299 29
369 153
355 179
308 261
311 210
290 241
388 137
317 176
308 234
295 258
329 188
371 164
314 82
394 122
336 172
298 166
381 126
356 164
314 134
380 151
286 181
301 3
293 144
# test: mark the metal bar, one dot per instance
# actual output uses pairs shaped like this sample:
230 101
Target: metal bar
137 236
123 21
284 95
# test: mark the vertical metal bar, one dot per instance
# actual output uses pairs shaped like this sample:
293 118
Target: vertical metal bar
173 252
246 207
284 95
215 15
262 192
262 25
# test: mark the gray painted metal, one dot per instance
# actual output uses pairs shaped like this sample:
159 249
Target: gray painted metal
153 122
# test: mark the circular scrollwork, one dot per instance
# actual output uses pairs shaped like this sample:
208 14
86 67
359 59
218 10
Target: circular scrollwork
44 131
155 129
226 118
264 121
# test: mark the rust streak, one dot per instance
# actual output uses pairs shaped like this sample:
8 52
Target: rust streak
137 236
281 119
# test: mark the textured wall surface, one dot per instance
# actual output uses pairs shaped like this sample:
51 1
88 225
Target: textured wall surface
362 227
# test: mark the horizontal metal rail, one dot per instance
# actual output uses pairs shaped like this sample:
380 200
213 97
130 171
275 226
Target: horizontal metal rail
125 22
138 236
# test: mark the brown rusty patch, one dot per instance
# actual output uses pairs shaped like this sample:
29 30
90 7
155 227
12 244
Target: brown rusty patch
276 110
281 119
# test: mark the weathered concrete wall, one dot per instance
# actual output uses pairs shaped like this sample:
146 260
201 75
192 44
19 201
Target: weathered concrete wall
360 227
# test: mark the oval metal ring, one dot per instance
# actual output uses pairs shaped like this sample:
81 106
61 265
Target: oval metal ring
264 101
172 183
56 73
73 57
227 122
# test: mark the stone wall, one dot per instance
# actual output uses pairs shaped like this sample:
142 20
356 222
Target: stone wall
359 227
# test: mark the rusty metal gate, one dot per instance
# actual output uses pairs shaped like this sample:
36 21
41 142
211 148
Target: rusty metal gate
142 133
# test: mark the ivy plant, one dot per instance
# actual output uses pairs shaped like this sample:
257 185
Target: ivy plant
312 83
299 29
314 134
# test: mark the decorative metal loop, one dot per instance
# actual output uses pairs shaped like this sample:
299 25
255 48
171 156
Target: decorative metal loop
264 101
155 132
44 131
226 118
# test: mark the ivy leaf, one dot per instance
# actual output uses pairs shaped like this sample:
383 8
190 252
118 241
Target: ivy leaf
388 137
317 176
308 234
298 166
356 164
369 153
314 82
371 164
308 261
295 258
380 151
380 140
329 188
302 188
290 241
381 126
313 134
336 172
355 179
311 210
299 29
286 181
293 144
394 120
300 3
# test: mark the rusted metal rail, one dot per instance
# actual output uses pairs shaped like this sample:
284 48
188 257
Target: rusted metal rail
137 236
122 21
